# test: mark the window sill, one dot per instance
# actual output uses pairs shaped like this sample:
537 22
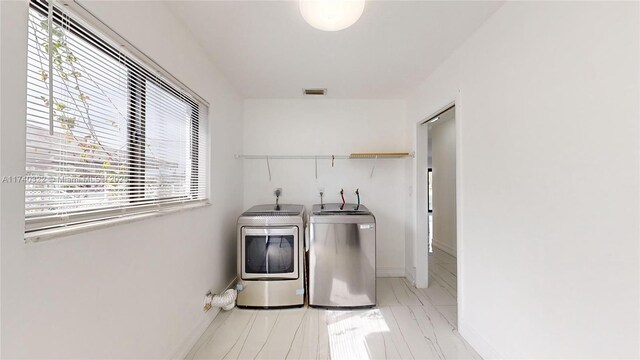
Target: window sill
50 234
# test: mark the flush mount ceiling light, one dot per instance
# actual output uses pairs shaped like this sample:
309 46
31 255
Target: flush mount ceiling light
331 15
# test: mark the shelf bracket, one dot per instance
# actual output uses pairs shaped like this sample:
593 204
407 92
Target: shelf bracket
374 166
268 168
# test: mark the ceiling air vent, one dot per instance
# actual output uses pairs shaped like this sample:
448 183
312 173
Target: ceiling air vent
314 92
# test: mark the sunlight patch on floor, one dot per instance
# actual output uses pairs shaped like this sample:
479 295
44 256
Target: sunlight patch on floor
348 331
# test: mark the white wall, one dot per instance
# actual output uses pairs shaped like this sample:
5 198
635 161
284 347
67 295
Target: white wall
443 153
133 290
547 120
324 126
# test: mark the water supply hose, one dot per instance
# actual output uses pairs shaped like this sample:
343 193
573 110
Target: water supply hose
358 195
342 195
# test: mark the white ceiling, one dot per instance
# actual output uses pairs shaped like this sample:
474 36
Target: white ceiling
268 51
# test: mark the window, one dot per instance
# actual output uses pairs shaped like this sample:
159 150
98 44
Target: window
107 136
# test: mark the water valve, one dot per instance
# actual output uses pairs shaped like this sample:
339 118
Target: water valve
208 298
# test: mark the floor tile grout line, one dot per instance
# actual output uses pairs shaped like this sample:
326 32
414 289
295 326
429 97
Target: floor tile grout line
245 339
443 283
402 334
406 285
440 355
447 270
228 315
255 314
268 336
295 334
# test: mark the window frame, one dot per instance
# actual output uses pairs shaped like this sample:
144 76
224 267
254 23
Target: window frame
137 76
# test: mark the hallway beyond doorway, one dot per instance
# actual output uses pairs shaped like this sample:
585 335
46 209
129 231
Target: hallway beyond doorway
443 271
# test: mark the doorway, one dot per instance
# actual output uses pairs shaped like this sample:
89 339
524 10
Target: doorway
440 206
441 182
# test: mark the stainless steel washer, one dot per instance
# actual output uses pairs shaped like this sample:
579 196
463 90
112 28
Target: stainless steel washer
342 256
271 257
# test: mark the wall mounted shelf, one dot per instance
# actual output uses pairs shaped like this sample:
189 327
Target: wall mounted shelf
353 156
395 155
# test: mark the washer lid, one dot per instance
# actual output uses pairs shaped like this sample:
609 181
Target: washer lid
335 209
272 210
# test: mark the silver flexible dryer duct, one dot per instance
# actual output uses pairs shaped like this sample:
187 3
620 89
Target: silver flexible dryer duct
226 300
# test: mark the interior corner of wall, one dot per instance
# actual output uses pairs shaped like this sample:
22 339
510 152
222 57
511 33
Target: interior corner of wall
410 274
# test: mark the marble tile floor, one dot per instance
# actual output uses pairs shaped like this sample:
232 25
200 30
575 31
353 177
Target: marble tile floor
443 268
409 323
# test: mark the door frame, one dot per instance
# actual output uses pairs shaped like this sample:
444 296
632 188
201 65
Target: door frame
421 213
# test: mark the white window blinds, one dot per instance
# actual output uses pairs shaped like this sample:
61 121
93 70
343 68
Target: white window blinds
107 135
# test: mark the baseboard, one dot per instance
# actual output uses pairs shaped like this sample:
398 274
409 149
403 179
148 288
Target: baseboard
194 335
192 338
410 274
479 344
390 272
446 248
